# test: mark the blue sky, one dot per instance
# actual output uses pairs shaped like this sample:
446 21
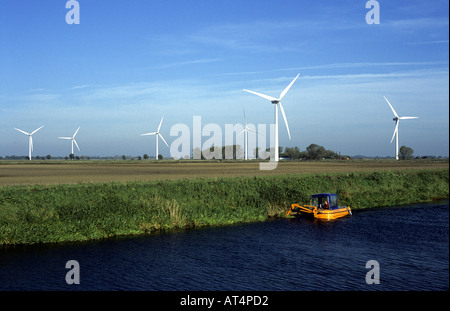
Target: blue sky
128 63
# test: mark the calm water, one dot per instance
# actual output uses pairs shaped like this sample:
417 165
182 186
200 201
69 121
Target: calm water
411 245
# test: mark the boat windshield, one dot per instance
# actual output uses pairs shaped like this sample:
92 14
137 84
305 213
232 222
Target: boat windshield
334 201
325 201
319 202
315 202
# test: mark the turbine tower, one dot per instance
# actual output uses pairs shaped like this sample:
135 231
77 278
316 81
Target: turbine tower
397 121
245 131
72 139
30 140
158 134
277 102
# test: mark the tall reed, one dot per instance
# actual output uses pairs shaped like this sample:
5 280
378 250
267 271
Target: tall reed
41 214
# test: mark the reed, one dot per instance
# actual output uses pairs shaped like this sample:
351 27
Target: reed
62 213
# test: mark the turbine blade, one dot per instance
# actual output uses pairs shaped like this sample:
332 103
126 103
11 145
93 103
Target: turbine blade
242 131
65 137
163 139
76 132
244 116
392 108
285 120
262 95
395 131
288 87
254 131
22 131
37 130
76 145
160 124
405 118
153 133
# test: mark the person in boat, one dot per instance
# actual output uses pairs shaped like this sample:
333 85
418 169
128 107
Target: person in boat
326 205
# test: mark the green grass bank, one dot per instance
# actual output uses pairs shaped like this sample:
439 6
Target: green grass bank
63 213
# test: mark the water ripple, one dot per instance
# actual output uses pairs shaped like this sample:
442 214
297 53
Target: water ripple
282 255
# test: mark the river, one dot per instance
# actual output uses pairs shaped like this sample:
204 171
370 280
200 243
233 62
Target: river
409 244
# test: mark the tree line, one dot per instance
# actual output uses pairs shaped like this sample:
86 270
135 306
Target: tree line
312 152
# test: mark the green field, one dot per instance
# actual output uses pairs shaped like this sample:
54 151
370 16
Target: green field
63 202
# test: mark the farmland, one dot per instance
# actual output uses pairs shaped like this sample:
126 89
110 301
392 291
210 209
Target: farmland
54 202
67 172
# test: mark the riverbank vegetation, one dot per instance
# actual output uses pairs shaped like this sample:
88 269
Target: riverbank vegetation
86 211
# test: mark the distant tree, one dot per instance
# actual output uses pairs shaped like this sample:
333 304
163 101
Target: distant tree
77 157
72 156
213 152
406 153
124 157
315 152
256 152
329 154
66 158
197 153
139 158
49 156
238 152
145 156
292 153
160 157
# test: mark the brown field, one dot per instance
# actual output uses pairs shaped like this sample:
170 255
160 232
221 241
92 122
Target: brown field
62 172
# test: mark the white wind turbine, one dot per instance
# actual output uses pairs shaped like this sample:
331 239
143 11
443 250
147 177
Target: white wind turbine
158 134
72 139
245 131
277 101
397 121
30 140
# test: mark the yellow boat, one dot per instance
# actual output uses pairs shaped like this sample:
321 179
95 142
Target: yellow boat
322 206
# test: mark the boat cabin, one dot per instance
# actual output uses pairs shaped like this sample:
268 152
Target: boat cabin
325 200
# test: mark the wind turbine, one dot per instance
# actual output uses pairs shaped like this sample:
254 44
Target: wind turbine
158 134
276 102
72 139
397 121
30 140
245 131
